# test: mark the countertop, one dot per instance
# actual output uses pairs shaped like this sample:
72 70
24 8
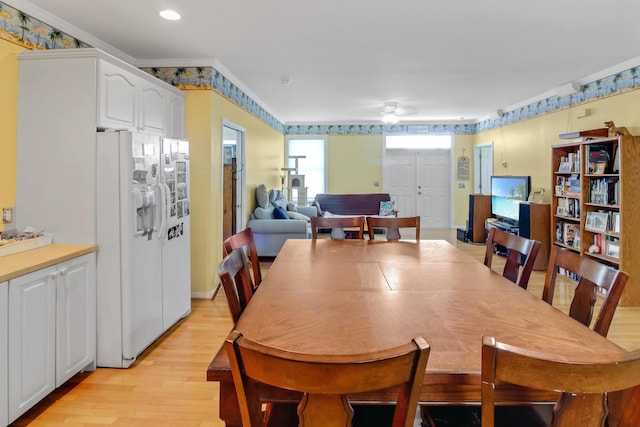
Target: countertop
19 264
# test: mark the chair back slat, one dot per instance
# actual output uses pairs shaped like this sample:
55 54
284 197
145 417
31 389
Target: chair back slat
592 275
337 222
244 239
517 248
584 385
236 281
393 224
326 380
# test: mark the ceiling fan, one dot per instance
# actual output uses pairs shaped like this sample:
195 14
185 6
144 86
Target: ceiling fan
391 112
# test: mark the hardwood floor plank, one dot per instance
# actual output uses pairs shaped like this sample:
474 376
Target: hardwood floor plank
167 385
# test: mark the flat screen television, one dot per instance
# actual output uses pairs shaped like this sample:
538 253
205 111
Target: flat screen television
506 194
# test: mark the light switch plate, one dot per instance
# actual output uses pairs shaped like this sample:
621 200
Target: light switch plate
7 215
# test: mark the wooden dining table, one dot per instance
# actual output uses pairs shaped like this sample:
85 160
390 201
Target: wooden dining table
359 296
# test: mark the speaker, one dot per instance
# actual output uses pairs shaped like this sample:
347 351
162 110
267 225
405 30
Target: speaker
534 223
479 211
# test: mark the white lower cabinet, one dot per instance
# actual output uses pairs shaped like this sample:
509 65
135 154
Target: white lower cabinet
4 343
75 317
52 330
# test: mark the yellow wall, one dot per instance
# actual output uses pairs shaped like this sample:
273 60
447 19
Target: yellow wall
206 111
8 111
463 146
354 162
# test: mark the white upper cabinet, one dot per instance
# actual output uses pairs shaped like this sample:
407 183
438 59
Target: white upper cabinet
117 97
123 97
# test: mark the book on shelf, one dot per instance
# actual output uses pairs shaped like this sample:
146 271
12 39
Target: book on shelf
568 207
604 191
568 233
600 158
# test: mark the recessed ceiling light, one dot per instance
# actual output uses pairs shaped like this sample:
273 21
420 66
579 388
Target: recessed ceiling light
170 15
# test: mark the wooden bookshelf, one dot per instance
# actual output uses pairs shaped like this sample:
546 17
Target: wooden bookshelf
597 202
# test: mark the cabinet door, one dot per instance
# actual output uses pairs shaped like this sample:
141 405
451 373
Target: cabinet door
117 97
4 344
32 336
76 317
153 101
175 117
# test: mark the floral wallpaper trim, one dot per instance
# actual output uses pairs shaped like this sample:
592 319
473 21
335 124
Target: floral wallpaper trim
24 30
208 78
615 84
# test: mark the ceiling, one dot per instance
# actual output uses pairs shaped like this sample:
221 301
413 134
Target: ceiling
443 62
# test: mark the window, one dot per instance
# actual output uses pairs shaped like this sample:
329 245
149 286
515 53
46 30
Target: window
313 165
417 142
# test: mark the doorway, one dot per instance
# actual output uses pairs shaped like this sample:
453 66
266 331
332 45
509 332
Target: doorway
234 178
482 168
420 183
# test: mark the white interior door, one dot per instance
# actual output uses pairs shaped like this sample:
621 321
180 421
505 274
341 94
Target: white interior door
482 168
420 183
234 134
434 188
399 171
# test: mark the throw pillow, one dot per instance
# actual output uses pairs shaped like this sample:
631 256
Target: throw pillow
280 213
276 197
297 215
262 197
387 208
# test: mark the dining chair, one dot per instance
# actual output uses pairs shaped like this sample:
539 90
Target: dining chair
324 381
518 247
236 281
593 275
244 239
392 224
337 224
584 385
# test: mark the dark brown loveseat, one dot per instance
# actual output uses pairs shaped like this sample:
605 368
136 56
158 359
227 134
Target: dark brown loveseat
350 204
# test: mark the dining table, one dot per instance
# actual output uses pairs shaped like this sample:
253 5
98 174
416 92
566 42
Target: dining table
359 296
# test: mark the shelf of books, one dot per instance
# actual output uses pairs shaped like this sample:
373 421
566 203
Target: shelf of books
596 203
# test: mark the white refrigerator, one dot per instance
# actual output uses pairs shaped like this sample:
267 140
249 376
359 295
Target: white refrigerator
143 232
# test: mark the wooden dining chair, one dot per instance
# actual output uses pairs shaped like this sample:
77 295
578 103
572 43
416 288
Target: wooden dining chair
584 385
393 224
593 275
326 380
236 281
337 224
517 248
244 239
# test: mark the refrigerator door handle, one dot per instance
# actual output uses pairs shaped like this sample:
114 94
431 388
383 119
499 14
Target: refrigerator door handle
162 191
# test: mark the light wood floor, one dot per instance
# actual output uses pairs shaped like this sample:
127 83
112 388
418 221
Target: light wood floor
167 385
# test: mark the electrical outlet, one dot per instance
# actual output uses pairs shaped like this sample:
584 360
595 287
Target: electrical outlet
7 215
